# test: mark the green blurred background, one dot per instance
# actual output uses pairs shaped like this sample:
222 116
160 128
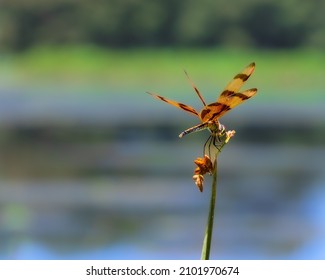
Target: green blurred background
91 167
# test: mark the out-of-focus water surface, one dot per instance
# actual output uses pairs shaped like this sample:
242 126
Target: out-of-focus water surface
105 176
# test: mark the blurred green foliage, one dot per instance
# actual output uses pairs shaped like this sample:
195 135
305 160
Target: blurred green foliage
190 23
92 69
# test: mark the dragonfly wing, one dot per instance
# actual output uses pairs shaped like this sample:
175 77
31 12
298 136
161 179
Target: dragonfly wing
215 110
181 106
238 81
195 88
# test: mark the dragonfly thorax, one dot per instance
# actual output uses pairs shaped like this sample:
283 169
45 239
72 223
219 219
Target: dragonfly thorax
216 128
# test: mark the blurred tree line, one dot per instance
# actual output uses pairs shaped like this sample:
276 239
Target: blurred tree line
191 23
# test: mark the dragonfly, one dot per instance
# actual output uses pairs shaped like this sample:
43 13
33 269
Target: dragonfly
210 114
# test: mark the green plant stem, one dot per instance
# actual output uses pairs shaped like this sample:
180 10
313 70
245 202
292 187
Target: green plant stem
205 255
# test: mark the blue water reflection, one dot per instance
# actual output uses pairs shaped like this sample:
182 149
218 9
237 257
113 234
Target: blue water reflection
104 186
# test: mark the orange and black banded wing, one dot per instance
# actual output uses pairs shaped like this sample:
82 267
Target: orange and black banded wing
195 88
238 81
182 106
230 97
217 109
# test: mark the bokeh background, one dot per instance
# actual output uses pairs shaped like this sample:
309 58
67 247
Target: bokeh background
91 167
